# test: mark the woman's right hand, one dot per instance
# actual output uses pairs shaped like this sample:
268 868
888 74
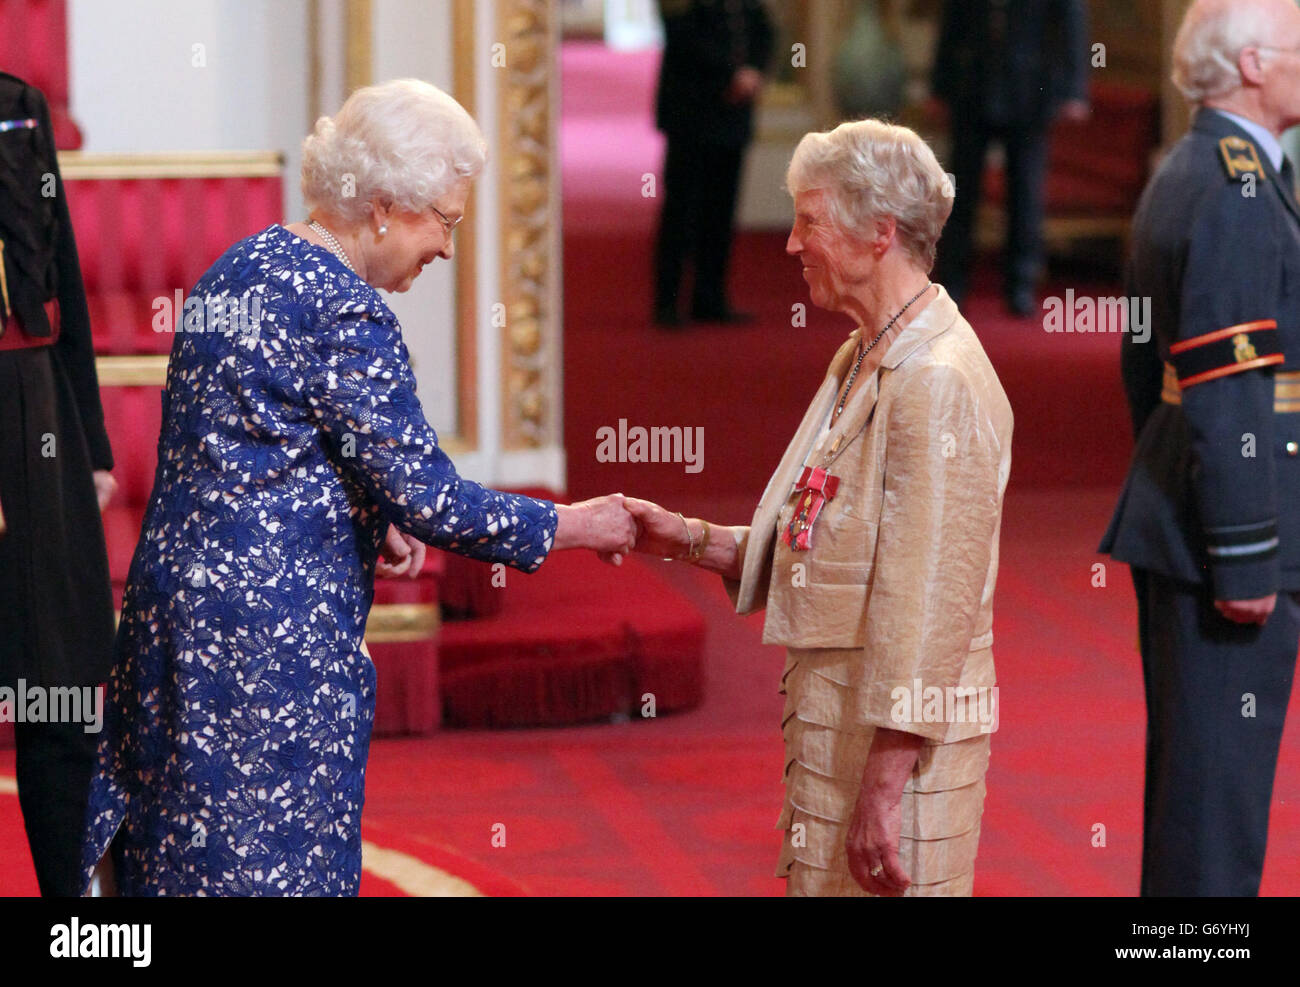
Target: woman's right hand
661 531
601 524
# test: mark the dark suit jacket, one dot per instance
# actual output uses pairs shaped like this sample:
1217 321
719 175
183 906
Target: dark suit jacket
1211 492
706 41
40 253
1021 79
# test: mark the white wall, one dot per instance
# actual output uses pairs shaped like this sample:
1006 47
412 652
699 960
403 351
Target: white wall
139 83
413 38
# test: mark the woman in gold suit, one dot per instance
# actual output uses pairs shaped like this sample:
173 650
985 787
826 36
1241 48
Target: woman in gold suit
875 545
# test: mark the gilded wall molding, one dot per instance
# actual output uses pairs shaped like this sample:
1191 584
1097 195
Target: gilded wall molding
358 32
529 218
463 82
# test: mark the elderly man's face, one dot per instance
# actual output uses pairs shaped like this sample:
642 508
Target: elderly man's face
414 239
833 265
1281 67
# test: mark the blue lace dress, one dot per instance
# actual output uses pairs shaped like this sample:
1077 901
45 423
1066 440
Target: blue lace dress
239 710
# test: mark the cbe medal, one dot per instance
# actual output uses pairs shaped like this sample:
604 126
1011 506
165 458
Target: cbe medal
816 487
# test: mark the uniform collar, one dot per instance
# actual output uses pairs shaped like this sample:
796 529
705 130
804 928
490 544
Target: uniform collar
1265 138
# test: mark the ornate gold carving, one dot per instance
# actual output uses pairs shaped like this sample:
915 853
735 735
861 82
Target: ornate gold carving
527 136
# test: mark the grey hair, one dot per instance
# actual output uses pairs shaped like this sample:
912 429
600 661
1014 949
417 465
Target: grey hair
1210 41
872 169
405 142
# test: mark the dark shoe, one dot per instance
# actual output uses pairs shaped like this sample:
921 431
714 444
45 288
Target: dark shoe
726 316
667 318
1021 301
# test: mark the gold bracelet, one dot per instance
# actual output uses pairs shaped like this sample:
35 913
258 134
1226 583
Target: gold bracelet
690 542
698 552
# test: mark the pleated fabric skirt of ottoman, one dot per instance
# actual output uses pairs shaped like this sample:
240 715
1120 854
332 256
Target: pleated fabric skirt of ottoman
826 751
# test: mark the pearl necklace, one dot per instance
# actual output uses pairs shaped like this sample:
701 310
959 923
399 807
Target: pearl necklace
332 244
862 356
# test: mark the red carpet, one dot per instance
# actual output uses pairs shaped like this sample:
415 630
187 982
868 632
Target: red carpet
684 804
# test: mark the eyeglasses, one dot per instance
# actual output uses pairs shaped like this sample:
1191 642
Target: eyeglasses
447 224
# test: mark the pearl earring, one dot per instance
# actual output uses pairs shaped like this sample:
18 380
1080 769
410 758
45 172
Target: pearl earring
383 229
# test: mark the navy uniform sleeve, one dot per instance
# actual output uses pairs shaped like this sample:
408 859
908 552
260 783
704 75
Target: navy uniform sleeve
362 391
1224 356
75 342
1140 366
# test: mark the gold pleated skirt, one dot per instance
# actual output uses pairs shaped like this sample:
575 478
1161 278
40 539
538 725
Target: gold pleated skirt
826 750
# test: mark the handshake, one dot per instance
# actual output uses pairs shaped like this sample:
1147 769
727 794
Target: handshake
611 526
614 525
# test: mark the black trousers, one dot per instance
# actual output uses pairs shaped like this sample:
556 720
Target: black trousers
1217 695
699 192
55 762
1026 148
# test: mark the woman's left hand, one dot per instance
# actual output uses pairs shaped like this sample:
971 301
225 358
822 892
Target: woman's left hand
877 821
872 843
400 555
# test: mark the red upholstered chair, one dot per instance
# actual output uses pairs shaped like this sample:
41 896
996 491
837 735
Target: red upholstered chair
574 643
1096 170
133 416
144 233
402 636
34 47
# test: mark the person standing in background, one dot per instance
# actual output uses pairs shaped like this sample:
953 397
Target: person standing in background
1208 519
56 605
715 52
1004 70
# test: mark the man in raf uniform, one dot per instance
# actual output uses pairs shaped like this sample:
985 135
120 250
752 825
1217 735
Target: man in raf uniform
56 607
1209 518
715 52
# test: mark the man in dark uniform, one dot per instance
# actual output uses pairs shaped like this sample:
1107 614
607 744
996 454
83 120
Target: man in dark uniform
1004 69
1209 518
56 607
715 52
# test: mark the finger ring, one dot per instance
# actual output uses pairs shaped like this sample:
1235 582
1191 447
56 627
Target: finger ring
876 871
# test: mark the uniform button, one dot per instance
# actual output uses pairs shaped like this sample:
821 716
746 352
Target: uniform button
1292 448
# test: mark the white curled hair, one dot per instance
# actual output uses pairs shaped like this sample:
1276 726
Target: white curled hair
405 142
1209 43
871 169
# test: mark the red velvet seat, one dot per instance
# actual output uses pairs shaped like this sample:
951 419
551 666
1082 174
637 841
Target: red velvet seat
574 642
142 240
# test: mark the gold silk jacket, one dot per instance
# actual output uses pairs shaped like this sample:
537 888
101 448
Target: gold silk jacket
903 560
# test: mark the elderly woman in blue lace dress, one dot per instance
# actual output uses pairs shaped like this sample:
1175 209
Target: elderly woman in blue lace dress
294 461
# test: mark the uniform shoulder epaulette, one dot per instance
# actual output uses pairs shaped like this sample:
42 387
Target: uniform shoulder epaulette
1240 157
